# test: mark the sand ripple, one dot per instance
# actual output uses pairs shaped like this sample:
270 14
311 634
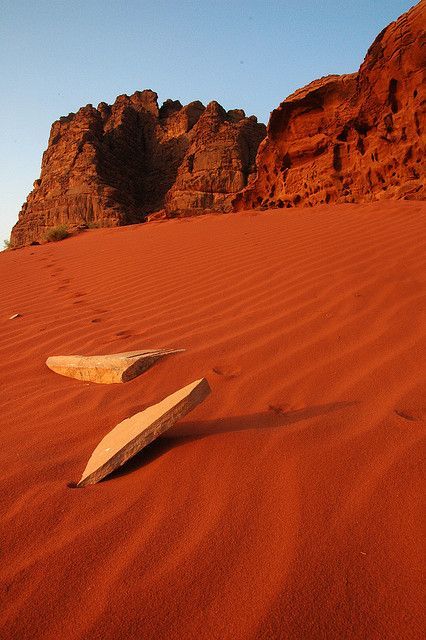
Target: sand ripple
287 505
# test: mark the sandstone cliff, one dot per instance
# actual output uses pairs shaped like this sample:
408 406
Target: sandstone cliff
218 162
351 138
114 165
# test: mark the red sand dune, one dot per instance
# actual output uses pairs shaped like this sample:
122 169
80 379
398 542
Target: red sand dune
288 504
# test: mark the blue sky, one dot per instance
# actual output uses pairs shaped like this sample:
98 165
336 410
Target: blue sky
56 56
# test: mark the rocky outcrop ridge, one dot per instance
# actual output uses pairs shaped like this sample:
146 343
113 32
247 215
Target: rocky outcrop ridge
115 165
351 138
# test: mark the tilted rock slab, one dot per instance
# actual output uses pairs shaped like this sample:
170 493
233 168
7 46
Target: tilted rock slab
117 367
135 433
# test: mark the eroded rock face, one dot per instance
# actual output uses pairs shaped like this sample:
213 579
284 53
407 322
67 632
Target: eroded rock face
351 138
115 164
218 163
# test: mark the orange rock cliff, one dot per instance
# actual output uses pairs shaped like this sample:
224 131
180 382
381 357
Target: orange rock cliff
351 138
117 164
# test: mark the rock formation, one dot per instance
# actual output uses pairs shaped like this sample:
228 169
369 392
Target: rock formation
115 164
217 164
351 138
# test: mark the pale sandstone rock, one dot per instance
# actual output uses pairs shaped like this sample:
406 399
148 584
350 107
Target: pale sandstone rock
135 433
117 367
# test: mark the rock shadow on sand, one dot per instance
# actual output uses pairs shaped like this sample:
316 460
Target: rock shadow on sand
187 432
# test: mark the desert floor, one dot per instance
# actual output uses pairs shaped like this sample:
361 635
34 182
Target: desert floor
286 506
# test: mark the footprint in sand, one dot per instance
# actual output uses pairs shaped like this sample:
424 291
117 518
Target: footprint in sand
227 372
124 334
78 294
406 416
280 409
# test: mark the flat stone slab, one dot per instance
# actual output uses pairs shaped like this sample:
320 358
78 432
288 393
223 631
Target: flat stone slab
135 433
117 367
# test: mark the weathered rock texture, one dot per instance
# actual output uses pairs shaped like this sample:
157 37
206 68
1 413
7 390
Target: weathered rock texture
118 367
351 138
115 164
135 433
218 162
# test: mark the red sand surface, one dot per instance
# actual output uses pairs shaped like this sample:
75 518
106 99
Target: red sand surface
288 504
